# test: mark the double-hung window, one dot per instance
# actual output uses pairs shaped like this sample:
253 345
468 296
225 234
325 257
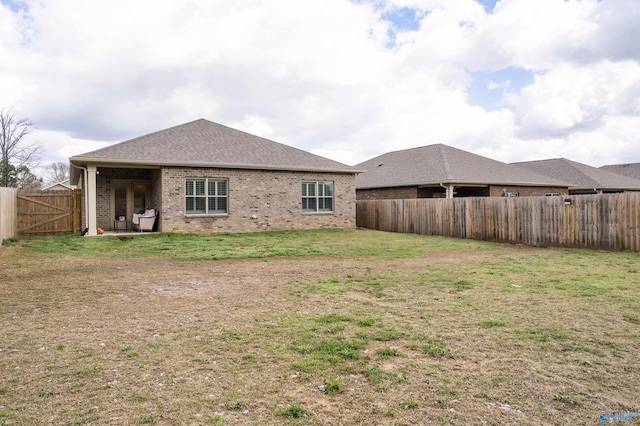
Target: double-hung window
207 196
317 197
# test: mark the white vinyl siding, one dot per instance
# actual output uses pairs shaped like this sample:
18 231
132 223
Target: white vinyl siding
206 196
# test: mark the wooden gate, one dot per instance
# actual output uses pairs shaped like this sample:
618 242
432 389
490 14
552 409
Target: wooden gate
49 212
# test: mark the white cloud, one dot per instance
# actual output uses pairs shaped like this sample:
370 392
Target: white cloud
572 99
318 74
535 34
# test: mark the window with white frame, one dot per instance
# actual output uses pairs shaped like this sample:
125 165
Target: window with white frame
317 197
207 196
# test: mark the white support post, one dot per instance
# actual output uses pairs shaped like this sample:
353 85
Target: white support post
90 193
449 191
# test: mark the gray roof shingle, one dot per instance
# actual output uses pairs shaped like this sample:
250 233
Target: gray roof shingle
582 176
435 164
202 143
629 169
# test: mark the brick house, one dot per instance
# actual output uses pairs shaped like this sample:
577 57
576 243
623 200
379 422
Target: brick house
584 179
207 178
441 171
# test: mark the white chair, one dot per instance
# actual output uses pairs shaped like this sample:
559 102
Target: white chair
145 221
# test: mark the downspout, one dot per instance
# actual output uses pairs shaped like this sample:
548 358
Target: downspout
446 190
86 196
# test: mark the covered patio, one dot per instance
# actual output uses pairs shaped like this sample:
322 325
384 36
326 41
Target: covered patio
112 195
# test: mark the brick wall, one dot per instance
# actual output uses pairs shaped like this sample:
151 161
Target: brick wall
258 200
387 193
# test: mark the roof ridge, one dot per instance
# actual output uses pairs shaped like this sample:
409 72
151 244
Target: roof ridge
620 165
539 161
445 162
415 148
573 164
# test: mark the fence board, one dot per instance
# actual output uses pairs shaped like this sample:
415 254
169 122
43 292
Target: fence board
608 221
8 213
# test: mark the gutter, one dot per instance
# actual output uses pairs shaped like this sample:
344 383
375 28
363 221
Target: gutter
128 163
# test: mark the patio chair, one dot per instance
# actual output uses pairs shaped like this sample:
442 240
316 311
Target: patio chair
145 221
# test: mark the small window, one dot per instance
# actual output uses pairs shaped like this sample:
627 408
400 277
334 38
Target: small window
317 197
206 196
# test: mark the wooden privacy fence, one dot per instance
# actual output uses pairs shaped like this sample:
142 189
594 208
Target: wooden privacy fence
8 213
49 212
608 221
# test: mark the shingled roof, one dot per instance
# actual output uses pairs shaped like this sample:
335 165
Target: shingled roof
629 169
435 164
582 176
202 143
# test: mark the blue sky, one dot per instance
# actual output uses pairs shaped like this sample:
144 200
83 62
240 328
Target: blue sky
488 4
14 5
402 19
346 79
488 88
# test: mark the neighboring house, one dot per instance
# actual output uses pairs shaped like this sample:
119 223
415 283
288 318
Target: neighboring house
58 186
585 179
439 171
206 178
630 170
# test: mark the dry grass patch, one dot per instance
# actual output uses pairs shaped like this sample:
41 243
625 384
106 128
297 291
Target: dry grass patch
469 333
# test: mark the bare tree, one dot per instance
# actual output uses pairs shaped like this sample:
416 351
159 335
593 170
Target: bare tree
15 153
57 172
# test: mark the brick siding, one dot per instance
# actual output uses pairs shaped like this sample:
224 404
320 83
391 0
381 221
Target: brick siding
259 200
402 192
274 198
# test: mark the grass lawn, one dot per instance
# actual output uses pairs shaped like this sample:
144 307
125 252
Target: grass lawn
314 327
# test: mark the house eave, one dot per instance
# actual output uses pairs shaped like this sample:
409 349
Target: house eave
158 164
464 183
599 189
